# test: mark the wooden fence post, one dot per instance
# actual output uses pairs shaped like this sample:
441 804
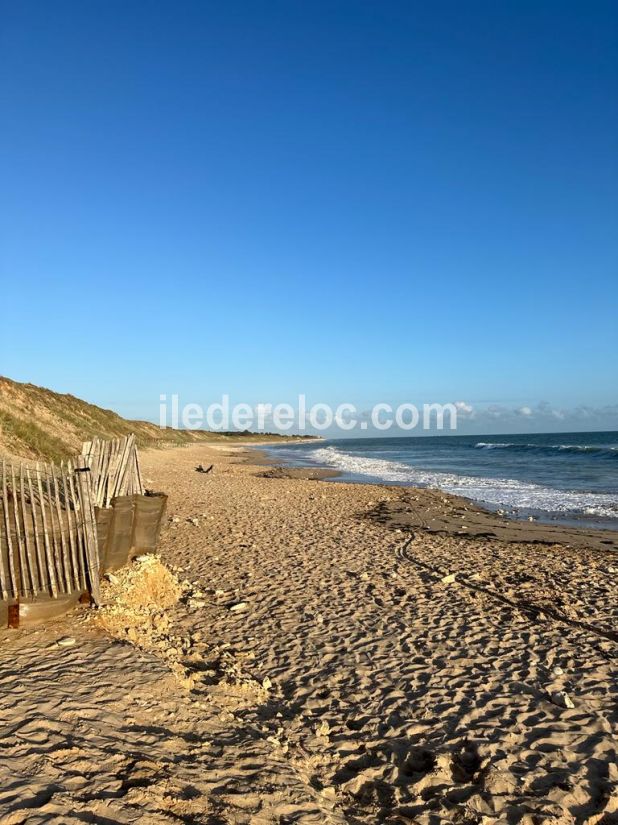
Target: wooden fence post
84 489
12 585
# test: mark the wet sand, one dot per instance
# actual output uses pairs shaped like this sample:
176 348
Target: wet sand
436 513
356 653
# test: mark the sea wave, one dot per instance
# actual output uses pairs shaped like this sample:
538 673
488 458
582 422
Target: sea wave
501 492
496 445
606 452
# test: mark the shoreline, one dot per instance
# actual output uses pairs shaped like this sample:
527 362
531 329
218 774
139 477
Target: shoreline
437 512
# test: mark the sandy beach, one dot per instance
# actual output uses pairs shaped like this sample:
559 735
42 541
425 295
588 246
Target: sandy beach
339 654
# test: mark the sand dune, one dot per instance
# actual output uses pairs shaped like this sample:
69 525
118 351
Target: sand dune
342 670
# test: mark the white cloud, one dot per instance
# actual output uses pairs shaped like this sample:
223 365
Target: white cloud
544 413
463 408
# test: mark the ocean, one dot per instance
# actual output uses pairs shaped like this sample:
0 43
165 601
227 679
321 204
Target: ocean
558 477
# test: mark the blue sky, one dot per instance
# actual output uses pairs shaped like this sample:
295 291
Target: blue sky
359 201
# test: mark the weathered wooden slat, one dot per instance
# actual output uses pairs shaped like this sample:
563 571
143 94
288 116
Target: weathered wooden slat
125 455
25 585
4 563
89 526
34 579
95 457
43 578
53 584
65 558
103 480
13 567
112 473
138 487
79 532
68 505
54 530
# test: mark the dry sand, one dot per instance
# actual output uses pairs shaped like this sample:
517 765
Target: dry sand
338 655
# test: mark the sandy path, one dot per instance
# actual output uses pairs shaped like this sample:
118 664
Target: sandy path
390 696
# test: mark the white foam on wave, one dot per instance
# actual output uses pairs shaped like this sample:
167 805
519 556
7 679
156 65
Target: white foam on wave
575 448
585 448
493 445
501 492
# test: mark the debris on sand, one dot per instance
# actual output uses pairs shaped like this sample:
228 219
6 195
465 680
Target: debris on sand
562 699
135 609
64 641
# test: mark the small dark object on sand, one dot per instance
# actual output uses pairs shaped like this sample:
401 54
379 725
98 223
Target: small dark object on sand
201 469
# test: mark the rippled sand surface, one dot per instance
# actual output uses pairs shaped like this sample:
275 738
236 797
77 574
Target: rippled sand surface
343 670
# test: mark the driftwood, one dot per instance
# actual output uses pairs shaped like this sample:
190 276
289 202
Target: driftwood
201 469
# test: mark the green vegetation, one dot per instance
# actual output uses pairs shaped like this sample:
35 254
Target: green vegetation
38 423
17 432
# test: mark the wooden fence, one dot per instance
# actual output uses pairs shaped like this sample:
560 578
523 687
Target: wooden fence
114 469
48 540
62 526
